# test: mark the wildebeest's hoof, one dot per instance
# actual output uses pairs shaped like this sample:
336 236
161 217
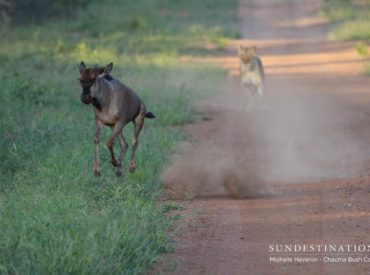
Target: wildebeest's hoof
132 169
118 173
115 163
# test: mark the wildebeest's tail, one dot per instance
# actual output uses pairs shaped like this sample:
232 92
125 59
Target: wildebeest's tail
150 115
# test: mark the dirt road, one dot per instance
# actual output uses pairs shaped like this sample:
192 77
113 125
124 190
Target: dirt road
309 149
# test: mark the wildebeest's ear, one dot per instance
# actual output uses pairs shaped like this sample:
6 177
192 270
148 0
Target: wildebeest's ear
82 67
106 70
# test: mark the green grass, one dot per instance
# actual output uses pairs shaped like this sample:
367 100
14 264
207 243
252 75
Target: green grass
56 218
353 30
352 22
352 19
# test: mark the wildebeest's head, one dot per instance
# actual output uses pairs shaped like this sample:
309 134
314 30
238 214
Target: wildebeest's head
88 80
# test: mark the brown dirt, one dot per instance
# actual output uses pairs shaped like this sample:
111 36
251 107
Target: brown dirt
301 165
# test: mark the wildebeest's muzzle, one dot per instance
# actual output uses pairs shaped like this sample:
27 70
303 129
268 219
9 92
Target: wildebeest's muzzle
85 96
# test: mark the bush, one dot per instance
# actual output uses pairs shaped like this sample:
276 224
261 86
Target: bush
23 11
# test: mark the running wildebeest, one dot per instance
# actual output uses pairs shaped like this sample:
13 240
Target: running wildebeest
115 105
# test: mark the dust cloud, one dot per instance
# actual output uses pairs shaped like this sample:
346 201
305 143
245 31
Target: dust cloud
206 170
222 160
300 136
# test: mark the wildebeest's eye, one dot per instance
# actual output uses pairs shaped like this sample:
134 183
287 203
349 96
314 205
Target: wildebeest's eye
87 82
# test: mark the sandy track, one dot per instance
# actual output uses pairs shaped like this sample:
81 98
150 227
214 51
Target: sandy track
310 147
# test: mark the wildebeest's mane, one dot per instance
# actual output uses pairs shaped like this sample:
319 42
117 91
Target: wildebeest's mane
108 77
100 70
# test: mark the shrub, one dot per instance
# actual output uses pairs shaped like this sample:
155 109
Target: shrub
23 11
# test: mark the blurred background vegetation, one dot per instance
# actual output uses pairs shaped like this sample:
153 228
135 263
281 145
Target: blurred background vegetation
352 22
56 218
24 11
352 18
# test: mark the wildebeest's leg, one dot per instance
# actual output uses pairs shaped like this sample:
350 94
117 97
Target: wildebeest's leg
99 126
124 147
115 132
138 122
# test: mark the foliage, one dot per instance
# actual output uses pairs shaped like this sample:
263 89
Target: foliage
352 17
339 10
362 49
23 11
352 23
